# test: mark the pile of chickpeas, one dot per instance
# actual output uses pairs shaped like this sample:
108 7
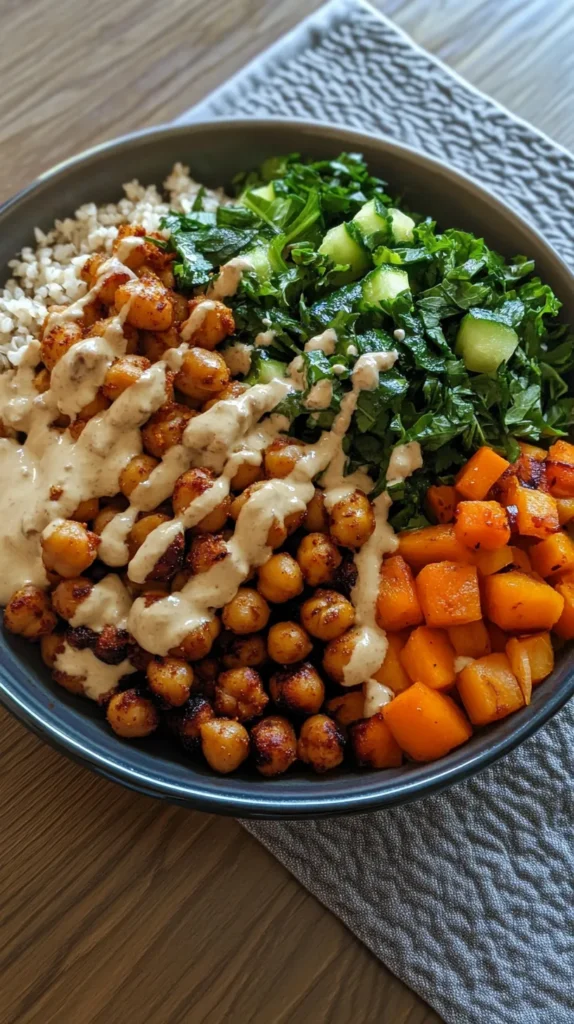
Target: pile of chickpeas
262 680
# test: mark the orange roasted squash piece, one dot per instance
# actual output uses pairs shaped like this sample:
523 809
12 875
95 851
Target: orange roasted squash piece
482 525
565 508
520 667
397 602
449 594
516 602
426 724
555 554
373 743
536 511
489 689
392 673
432 544
480 473
565 625
428 658
488 562
540 653
470 641
560 469
441 502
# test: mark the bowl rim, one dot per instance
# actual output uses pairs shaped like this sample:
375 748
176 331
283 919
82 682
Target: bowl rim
208 793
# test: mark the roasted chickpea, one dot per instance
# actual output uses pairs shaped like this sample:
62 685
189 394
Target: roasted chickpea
347 708
141 530
131 715
246 475
131 336
214 520
327 615
318 559
317 519
150 307
243 651
239 694
247 612
274 745
69 594
51 645
205 673
29 613
321 743
352 520
170 679
224 743
198 643
73 684
338 654
278 532
299 690
98 404
154 344
282 456
207 549
86 510
113 645
165 429
203 374
137 470
132 255
189 486
180 307
280 579
107 513
373 745
41 384
68 548
197 711
179 580
209 323
287 643
104 279
122 374
231 390
57 341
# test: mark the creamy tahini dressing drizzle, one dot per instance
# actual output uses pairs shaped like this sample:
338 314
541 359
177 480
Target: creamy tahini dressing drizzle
238 358
98 679
108 604
196 318
230 274
324 342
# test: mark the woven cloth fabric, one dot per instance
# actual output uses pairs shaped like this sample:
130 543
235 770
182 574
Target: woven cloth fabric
467 896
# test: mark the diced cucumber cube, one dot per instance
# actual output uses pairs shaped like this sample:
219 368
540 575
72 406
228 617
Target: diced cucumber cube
368 220
401 225
340 245
484 343
384 284
259 258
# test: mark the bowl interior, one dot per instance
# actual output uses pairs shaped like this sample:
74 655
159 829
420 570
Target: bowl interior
215 152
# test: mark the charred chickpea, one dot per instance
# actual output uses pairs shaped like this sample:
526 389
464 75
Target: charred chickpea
171 679
150 307
73 684
231 390
246 475
317 519
180 307
68 548
373 745
203 374
69 594
299 690
189 486
106 514
239 694
132 715
352 520
247 612
57 340
86 510
122 374
154 344
224 743
179 580
103 278
209 323
51 645
280 578
141 530
282 456
278 532
188 722
347 708
338 654
100 327
113 645
274 745
42 381
214 520
287 642
321 743
205 673
198 642
165 429
247 651
318 559
138 469
327 615
29 613
133 254
207 549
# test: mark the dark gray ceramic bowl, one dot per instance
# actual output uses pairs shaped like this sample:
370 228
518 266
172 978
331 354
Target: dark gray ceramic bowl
215 152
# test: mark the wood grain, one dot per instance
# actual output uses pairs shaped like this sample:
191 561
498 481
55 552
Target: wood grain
115 908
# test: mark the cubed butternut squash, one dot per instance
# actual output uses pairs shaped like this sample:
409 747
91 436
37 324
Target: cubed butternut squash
565 508
441 502
536 511
516 602
448 594
397 602
481 525
565 625
426 724
520 666
470 641
432 544
374 745
488 562
428 657
392 673
479 474
520 559
555 554
489 689
498 638
560 469
530 466
540 651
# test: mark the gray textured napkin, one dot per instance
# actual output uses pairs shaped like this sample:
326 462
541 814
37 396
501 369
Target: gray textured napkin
467 896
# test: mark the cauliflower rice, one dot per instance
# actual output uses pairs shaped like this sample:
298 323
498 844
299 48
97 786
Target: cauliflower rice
50 273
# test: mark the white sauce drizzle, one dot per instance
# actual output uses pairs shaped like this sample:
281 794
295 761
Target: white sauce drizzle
324 342
230 274
320 395
399 334
376 696
365 373
108 604
196 318
265 338
405 459
238 358
98 679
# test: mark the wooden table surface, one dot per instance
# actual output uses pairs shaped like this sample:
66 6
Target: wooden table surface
114 908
